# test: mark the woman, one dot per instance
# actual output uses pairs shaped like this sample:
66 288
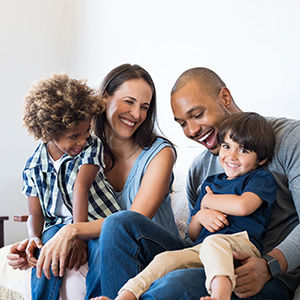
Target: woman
138 167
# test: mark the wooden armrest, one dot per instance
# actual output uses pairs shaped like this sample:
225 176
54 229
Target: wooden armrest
20 218
2 219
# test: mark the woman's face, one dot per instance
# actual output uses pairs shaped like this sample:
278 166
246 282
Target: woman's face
127 108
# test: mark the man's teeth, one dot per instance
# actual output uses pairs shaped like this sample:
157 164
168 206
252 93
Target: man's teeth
127 122
205 137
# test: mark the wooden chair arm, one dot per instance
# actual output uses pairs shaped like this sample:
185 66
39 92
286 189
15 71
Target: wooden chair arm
2 219
20 218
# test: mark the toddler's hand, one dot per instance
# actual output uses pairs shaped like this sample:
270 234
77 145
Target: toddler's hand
212 220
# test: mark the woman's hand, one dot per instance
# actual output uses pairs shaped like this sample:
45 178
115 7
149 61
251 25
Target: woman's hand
17 256
55 252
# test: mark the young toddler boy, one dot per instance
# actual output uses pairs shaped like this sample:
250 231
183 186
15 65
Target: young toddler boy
231 214
64 178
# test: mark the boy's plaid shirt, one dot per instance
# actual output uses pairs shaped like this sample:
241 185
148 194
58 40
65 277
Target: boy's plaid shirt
41 180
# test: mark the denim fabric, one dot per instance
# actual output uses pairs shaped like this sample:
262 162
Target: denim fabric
93 277
189 284
42 288
134 243
128 242
49 289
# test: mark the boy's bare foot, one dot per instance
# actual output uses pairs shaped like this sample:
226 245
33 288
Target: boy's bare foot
100 298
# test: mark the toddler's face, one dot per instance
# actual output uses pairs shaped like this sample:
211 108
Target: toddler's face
236 160
71 141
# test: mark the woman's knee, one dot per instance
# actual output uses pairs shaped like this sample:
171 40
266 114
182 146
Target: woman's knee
120 219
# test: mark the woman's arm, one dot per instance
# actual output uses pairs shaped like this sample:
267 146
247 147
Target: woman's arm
155 183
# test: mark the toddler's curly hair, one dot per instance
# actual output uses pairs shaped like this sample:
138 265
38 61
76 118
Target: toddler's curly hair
57 103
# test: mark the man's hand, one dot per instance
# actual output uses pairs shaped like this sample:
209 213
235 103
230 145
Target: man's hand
17 257
251 275
212 220
78 254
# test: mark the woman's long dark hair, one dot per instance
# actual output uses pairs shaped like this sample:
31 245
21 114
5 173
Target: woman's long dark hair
145 135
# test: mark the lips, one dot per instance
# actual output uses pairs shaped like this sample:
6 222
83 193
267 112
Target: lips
127 122
76 151
209 139
232 165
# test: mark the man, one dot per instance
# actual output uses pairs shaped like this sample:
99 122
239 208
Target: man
200 101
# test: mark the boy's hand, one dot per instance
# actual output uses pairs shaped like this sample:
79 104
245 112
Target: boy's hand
33 244
206 197
17 256
78 254
212 220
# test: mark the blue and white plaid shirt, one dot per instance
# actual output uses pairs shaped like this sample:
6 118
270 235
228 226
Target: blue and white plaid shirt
41 180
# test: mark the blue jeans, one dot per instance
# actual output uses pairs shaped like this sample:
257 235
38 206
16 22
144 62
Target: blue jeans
49 289
129 241
42 288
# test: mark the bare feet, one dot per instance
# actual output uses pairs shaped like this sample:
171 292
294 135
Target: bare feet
100 298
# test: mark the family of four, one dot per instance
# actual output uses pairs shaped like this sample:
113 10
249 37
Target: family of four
98 189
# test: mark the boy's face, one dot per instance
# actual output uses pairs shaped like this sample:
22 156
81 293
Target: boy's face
236 160
199 114
70 141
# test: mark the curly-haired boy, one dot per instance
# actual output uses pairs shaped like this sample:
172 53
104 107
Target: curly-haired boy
63 180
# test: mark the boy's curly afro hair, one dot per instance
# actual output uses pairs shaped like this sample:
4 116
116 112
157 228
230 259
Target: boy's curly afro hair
57 103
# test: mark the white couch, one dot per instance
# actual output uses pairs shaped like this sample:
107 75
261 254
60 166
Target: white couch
15 284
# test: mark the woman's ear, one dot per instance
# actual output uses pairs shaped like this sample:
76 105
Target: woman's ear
262 162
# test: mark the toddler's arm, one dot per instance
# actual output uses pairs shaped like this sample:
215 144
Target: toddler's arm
231 204
212 220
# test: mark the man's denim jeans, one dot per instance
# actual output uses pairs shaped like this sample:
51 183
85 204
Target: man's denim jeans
129 241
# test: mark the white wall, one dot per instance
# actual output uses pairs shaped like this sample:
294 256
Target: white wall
253 45
32 34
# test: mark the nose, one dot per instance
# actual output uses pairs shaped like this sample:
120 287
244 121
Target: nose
193 129
233 155
136 112
82 140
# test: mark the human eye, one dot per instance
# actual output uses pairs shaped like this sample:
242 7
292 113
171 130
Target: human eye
129 101
225 146
244 151
182 124
145 106
199 115
73 137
